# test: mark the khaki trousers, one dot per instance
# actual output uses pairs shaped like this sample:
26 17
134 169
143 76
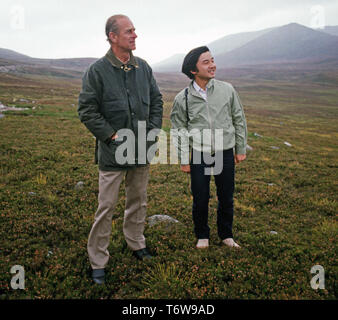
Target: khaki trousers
136 180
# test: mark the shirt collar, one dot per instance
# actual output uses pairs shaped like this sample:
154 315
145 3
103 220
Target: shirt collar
208 86
198 88
118 63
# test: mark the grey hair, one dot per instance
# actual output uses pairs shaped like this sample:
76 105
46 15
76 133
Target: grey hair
112 25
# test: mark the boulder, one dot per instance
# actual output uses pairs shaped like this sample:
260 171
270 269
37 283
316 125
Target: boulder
257 135
79 185
157 218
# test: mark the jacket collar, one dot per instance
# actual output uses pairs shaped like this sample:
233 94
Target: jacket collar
118 63
211 83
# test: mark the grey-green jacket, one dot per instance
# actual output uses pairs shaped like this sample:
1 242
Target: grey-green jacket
116 96
222 114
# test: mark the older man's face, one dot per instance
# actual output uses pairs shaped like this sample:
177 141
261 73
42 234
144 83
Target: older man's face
125 39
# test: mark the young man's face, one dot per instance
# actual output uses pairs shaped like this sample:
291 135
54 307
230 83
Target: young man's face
206 67
125 39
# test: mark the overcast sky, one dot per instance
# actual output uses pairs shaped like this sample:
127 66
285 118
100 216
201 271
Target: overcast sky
75 28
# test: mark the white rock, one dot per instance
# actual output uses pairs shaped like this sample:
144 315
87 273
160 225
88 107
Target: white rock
79 185
5 108
159 218
257 135
248 148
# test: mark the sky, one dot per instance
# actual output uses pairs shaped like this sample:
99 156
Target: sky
76 28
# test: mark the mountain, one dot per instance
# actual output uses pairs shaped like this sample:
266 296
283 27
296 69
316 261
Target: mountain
219 46
289 43
12 55
222 45
290 46
233 41
11 61
172 63
333 30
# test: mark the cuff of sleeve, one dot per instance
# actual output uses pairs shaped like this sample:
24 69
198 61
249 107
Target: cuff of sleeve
240 150
108 139
184 159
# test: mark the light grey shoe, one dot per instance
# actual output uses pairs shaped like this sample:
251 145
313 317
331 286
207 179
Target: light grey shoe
98 276
231 243
202 243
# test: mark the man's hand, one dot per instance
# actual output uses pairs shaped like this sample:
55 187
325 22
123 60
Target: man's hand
239 158
185 168
115 136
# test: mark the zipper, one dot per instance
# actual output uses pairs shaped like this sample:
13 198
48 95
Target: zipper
212 132
210 124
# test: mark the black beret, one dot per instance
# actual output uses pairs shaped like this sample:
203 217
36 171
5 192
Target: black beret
190 60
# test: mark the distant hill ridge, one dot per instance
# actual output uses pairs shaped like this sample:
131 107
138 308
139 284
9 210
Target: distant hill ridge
291 43
78 64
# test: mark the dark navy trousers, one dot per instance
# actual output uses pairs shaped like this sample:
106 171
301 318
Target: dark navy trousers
200 187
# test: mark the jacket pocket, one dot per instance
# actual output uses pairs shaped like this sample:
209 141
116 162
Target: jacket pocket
116 113
145 107
108 156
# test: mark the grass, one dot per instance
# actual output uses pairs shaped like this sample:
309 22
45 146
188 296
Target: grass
45 221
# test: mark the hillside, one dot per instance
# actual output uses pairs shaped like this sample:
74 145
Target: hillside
293 44
172 63
289 43
14 62
285 200
333 30
286 44
13 55
223 45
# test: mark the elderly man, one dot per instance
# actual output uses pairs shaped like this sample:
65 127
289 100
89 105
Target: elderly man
210 118
119 93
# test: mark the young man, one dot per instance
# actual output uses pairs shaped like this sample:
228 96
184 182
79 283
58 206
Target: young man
119 92
210 122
